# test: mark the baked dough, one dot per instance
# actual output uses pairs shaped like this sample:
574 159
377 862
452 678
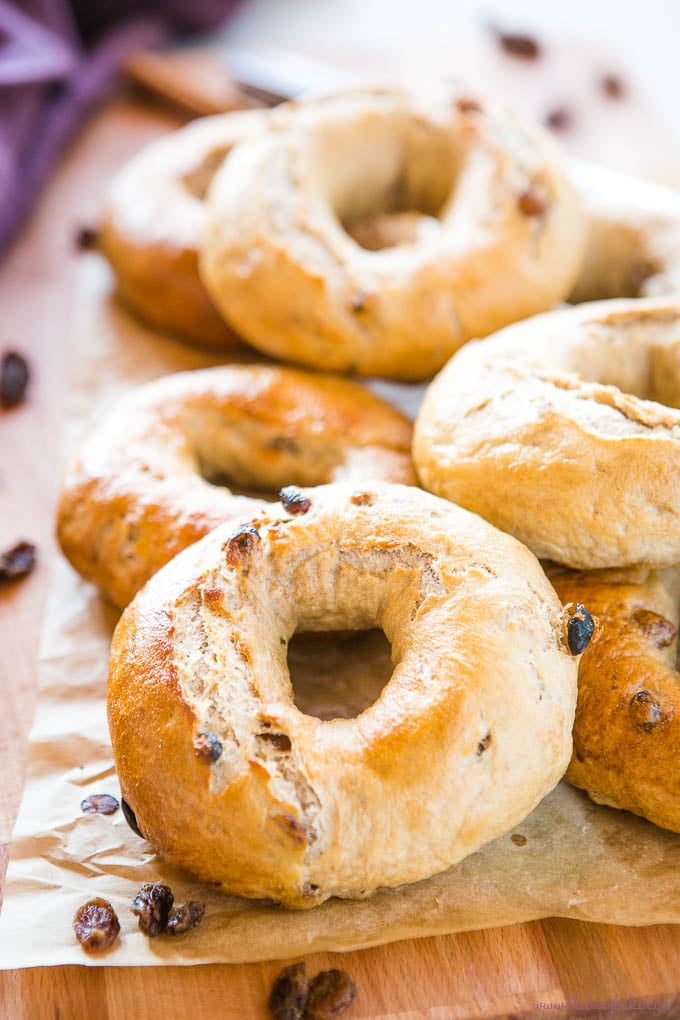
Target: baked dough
228 779
152 223
633 246
502 238
555 431
139 491
627 728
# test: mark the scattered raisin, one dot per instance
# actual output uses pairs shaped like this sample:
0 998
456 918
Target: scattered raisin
330 993
152 906
612 86
207 745
580 630
518 839
289 993
96 925
558 119
294 501
483 744
99 804
131 818
518 44
185 916
87 238
240 543
17 562
646 710
531 203
14 379
657 628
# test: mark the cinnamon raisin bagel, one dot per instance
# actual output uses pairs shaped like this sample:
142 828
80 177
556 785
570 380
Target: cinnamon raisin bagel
228 779
140 490
502 231
153 220
627 732
555 430
633 240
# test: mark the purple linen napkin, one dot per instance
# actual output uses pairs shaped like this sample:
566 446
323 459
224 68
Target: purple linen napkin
56 59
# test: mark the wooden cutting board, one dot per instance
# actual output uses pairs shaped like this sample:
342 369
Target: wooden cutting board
509 972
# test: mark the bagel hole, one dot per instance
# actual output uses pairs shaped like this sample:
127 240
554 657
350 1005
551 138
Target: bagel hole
224 481
338 674
390 182
197 181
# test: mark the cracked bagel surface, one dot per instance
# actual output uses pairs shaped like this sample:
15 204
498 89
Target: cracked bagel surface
564 431
228 779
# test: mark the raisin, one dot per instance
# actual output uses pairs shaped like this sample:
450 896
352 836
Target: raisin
558 119
612 86
646 710
294 501
240 543
531 203
207 745
289 993
580 630
294 829
14 379
279 741
17 562
483 744
361 499
518 839
518 44
185 916
285 444
657 628
330 993
96 925
152 906
99 804
87 238
467 105
131 818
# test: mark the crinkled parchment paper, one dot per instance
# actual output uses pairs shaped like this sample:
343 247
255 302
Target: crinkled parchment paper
570 857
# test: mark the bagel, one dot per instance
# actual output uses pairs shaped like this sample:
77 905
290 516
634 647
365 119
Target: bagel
152 223
627 732
633 240
228 779
554 431
139 491
502 238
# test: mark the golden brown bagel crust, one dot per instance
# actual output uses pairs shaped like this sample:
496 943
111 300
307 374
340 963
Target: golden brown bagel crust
471 731
633 246
502 235
537 430
152 223
627 728
137 493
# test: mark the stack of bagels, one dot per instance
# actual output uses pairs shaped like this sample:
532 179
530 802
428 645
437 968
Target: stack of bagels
396 234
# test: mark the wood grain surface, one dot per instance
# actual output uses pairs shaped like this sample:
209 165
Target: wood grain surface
579 969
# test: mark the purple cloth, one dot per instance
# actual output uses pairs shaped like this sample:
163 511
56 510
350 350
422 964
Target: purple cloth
56 59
